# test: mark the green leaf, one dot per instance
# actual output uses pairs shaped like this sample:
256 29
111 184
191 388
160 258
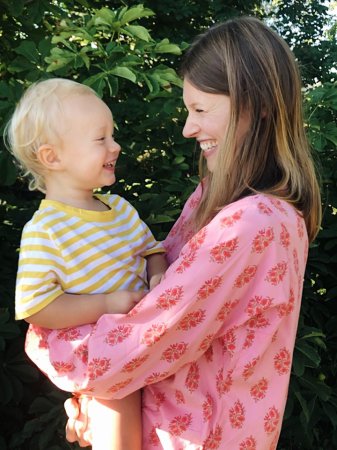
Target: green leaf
28 50
165 47
178 160
20 64
166 76
97 82
6 391
309 332
309 351
318 142
17 389
32 426
134 13
16 8
4 316
124 72
331 412
152 84
40 406
22 370
121 12
304 405
113 47
59 58
298 364
9 330
104 16
85 58
331 135
63 39
160 218
113 85
316 387
44 47
138 32
8 171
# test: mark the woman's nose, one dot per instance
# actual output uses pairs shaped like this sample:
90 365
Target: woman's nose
191 128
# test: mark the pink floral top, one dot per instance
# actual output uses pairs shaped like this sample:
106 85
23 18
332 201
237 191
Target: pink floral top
211 345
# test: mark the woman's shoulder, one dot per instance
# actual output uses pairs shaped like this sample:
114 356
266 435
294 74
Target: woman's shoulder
255 222
259 210
263 203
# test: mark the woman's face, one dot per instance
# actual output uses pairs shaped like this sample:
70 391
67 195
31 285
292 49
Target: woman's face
208 120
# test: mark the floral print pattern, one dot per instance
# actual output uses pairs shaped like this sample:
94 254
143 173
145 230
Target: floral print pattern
212 344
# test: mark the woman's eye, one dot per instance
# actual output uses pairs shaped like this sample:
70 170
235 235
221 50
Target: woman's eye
199 110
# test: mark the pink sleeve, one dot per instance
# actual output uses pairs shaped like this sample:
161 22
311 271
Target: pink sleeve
217 281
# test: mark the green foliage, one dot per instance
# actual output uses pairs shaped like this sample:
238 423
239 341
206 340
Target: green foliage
128 54
113 53
311 418
309 31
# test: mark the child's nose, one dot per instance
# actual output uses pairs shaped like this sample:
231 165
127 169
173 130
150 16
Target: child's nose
114 146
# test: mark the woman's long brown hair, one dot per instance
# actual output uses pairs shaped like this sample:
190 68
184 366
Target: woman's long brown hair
246 60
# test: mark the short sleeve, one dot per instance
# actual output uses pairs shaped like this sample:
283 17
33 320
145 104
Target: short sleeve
40 270
150 245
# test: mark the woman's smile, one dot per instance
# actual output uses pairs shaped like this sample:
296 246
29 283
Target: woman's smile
208 148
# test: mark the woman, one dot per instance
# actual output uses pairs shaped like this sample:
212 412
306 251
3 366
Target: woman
212 345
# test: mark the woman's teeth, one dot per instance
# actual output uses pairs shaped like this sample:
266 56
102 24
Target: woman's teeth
207 145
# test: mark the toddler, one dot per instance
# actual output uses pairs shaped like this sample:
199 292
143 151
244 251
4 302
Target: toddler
82 254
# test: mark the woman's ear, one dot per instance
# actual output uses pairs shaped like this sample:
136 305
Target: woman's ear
48 157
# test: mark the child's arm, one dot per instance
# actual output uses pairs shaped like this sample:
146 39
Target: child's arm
70 310
156 267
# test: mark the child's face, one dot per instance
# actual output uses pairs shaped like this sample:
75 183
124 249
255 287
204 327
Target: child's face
88 150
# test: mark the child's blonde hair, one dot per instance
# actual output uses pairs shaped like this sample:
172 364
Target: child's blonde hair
35 122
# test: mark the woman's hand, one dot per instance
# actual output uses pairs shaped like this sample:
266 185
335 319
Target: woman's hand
78 427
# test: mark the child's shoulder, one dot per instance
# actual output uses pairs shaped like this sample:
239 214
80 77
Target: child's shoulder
35 224
44 218
114 201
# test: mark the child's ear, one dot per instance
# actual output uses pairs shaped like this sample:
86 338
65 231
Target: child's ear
48 156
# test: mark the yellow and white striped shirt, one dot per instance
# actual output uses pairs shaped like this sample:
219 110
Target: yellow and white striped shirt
67 249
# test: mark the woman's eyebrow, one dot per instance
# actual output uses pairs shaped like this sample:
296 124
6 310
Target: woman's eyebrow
193 105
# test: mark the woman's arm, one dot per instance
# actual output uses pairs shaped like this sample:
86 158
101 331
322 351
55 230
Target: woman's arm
205 292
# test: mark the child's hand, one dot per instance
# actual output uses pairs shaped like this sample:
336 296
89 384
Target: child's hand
121 302
155 280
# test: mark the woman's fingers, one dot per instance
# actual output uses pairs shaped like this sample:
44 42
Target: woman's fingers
70 431
82 425
72 410
77 425
72 407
